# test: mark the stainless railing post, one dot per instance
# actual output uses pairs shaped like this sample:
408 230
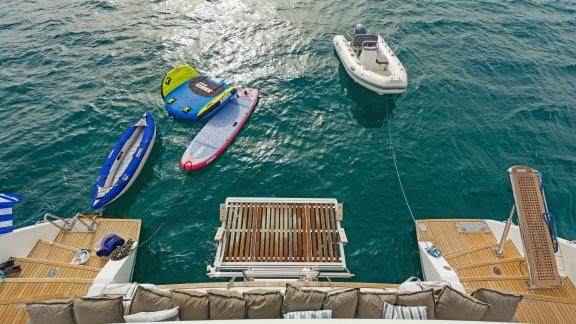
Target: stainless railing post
500 251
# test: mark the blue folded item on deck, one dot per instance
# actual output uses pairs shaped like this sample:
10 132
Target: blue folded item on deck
109 245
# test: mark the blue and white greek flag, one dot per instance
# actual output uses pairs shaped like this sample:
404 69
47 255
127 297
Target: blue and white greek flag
6 218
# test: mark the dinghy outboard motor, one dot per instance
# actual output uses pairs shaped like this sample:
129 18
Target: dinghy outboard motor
360 29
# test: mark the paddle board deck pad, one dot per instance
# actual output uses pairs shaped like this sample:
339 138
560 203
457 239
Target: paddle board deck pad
190 95
125 162
219 132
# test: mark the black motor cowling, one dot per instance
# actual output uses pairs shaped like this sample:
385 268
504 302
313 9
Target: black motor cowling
360 29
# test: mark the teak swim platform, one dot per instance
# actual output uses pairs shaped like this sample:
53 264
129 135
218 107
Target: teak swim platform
286 237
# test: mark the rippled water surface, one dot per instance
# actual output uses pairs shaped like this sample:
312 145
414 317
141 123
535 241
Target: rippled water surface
491 85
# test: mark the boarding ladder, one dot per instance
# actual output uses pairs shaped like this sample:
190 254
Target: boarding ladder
538 245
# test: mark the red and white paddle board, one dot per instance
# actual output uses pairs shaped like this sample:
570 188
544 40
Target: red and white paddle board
219 132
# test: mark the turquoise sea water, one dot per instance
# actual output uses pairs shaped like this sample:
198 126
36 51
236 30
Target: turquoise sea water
491 84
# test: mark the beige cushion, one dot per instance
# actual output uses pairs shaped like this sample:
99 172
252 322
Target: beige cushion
502 305
193 305
371 303
51 312
150 300
418 298
226 304
454 305
98 310
342 302
262 304
302 299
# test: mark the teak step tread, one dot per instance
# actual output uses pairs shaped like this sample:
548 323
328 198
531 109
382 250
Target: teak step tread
485 263
546 312
34 268
484 255
566 292
126 228
31 287
504 267
62 253
472 250
446 235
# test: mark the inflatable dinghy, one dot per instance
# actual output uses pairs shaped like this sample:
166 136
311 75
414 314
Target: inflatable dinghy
125 162
371 62
190 95
219 132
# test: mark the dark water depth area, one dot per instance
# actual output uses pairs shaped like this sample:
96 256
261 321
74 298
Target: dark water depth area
491 84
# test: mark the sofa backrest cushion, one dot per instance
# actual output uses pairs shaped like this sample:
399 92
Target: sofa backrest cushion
51 311
193 305
263 304
418 298
150 300
94 310
226 304
371 303
342 302
454 305
502 305
302 299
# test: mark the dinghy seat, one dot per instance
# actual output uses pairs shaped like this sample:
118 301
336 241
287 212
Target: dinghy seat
203 86
359 39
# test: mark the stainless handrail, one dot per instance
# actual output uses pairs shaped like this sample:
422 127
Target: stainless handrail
90 227
51 217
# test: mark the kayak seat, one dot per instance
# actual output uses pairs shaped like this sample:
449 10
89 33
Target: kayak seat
204 87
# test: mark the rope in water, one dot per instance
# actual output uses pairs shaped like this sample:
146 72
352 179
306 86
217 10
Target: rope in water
63 203
398 172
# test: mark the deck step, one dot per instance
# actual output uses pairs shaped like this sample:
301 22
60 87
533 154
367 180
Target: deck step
472 250
503 267
51 251
32 287
564 294
486 254
126 228
36 268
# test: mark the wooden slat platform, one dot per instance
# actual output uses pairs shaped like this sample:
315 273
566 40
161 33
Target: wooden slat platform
530 206
280 232
300 234
472 256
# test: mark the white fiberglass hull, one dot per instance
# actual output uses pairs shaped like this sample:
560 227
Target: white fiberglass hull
395 81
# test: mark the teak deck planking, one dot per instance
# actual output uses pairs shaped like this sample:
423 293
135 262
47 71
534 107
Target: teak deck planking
32 283
472 256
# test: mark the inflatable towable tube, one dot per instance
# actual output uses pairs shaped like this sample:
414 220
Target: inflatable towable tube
190 95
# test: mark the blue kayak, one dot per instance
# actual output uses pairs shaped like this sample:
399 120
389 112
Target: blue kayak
125 162
190 95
